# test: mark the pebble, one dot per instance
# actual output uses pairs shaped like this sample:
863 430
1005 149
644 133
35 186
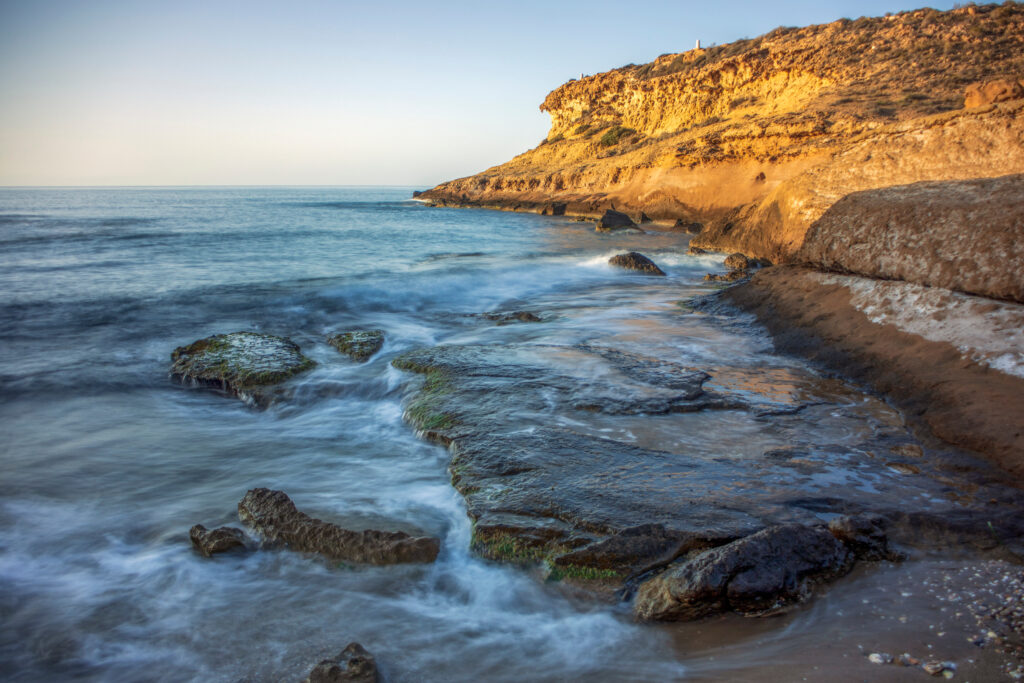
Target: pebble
879 657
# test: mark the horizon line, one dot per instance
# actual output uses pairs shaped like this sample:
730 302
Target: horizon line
31 187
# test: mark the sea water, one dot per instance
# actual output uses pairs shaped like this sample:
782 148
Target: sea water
105 462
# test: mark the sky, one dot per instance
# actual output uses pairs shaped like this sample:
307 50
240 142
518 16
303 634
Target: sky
224 92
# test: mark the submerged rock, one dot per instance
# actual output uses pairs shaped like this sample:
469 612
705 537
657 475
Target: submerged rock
635 261
245 364
760 573
731 276
513 317
358 344
615 220
353 665
212 541
864 535
274 515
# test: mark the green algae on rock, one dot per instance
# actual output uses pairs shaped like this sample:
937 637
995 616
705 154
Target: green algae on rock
244 364
358 344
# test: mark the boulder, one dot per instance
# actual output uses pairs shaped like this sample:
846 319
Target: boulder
738 261
696 251
864 535
358 344
245 364
274 515
212 541
615 220
635 261
761 573
989 92
353 665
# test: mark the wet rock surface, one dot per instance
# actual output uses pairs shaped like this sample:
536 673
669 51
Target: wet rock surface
763 572
245 364
549 477
513 317
615 220
209 542
273 515
358 344
635 261
353 665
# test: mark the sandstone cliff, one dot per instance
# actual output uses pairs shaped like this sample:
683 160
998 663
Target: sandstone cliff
758 138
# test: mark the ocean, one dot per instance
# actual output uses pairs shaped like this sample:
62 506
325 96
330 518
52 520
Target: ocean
106 463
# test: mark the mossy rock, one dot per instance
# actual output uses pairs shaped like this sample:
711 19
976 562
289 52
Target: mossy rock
358 344
244 364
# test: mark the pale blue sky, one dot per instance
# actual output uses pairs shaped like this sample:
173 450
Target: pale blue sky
123 92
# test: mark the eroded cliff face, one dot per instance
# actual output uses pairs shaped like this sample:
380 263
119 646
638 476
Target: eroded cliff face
756 139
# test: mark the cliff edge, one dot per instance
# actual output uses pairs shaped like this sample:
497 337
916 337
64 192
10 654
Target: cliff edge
758 138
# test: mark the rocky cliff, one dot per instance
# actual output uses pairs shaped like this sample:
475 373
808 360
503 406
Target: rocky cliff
758 138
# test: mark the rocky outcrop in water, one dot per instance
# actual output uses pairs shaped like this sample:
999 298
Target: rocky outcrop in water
273 515
615 220
761 573
606 513
635 261
245 364
210 542
358 344
353 665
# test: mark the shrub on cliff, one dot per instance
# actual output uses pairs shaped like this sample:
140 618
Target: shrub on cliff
614 134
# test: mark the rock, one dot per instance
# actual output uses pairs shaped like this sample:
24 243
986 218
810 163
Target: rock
864 535
416 193
760 573
738 261
906 659
731 276
933 667
212 541
644 218
245 364
880 658
696 251
353 665
635 261
556 209
615 220
358 344
513 317
961 235
274 515
989 92
692 228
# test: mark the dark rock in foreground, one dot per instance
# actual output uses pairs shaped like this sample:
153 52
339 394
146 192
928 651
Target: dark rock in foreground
274 515
358 344
864 535
353 665
245 364
615 220
635 261
760 573
212 541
